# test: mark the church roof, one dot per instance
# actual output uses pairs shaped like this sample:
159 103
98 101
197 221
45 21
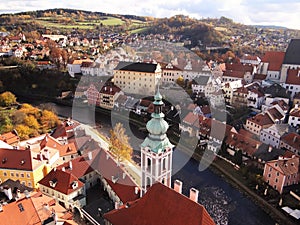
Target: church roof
160 205
292 53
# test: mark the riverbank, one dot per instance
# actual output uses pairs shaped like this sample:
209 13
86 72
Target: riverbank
218 168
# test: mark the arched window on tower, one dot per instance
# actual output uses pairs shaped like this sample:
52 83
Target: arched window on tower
164 165
148 182
148 163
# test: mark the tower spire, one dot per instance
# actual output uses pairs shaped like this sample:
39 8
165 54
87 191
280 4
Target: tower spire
156 150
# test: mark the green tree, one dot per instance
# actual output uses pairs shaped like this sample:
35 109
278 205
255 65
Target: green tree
119 143
7 99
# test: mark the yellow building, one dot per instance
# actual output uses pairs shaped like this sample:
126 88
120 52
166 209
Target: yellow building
27 166
137 78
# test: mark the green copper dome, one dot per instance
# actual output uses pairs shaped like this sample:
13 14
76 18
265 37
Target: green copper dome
157 126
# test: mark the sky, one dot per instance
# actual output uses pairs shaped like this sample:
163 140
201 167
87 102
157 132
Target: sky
253 12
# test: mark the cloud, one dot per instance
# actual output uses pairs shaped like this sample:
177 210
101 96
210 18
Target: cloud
272 12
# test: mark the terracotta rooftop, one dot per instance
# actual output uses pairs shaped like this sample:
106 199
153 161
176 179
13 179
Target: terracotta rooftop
22 211
239 67
292 139
261 119
161 205
64 150
243 143
293 77
63 180
9 138
113 174
110 89
80 166
259 77
275 60
191 119
286 166
220 130
295 112
18 159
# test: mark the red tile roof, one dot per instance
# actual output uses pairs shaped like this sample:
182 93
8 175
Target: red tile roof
20 212
80 166
107 167
64 181
275 60
292 139
161 205
220 130
286 166
259 77
110 89
243 143
239 67
295 112
261 119
16 159
9 138
191 119
293 77
64 150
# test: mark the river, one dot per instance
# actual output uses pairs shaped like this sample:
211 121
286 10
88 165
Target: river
226 204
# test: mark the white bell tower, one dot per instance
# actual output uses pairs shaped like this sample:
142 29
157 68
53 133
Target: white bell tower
156 150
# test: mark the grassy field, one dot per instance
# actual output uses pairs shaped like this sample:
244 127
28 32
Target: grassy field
53 22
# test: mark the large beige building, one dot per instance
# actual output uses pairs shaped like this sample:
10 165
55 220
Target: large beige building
137 78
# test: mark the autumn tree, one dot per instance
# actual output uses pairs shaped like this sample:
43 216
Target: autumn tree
7 99
31 122
48 119
119 143
23 131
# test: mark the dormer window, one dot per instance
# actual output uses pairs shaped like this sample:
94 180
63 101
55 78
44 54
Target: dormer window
74 184
53 182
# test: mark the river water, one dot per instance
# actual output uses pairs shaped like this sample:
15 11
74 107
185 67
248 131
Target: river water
225 204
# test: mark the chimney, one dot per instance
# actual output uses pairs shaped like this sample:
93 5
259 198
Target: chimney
90 156
295 139
194 194
63 169
70 165
1 208
124 175
47 154
110 89
178 186
136 190
296 106
41 156
27 194
270 148
8 193
116 205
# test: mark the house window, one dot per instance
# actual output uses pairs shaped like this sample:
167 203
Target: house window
12 174
29 184
28 175
22 175
4 174
277 174
276 180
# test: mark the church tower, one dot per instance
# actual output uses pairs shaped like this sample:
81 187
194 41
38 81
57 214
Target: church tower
156 150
